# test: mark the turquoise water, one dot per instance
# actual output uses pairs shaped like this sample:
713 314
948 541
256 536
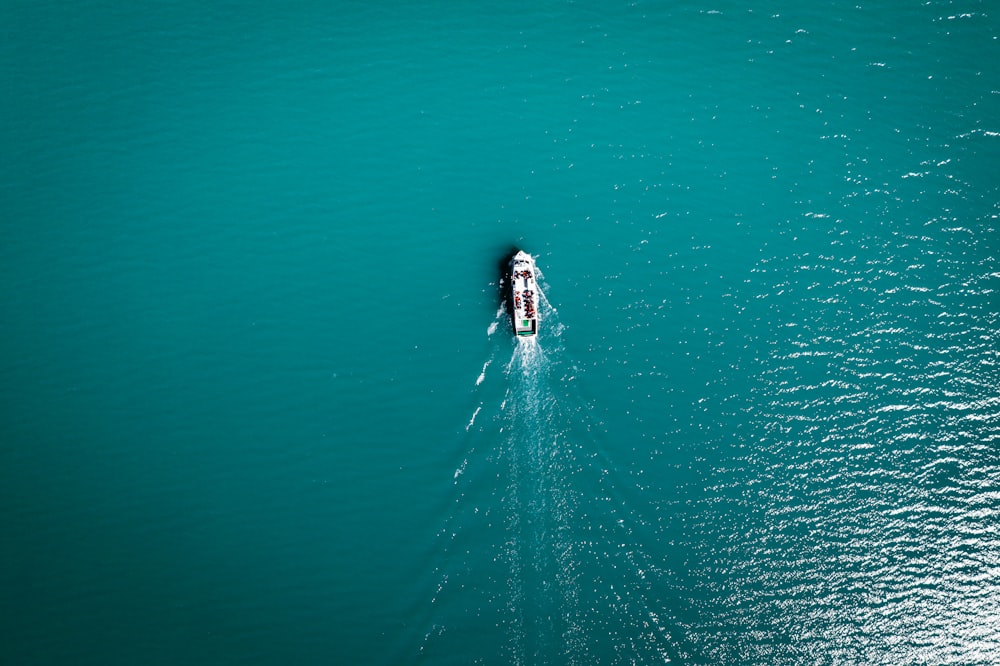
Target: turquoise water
261 404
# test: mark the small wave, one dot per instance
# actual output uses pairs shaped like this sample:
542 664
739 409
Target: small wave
472 421
497 318
482 373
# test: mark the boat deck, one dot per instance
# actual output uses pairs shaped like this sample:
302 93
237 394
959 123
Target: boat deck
524 291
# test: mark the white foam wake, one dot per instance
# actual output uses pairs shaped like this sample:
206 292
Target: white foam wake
473 419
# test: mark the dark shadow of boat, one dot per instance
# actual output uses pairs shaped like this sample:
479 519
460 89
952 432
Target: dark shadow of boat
503 284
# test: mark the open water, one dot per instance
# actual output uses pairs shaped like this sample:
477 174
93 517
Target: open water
261 405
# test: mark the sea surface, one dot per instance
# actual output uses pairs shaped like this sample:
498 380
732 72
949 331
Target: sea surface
260 402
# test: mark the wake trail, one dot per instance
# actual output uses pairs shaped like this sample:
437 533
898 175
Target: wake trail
524 523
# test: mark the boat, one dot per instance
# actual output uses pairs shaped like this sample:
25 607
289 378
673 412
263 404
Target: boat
524 294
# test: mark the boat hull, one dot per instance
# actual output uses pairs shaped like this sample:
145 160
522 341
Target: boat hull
524 295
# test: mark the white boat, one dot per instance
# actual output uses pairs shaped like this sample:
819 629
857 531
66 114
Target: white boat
524 294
